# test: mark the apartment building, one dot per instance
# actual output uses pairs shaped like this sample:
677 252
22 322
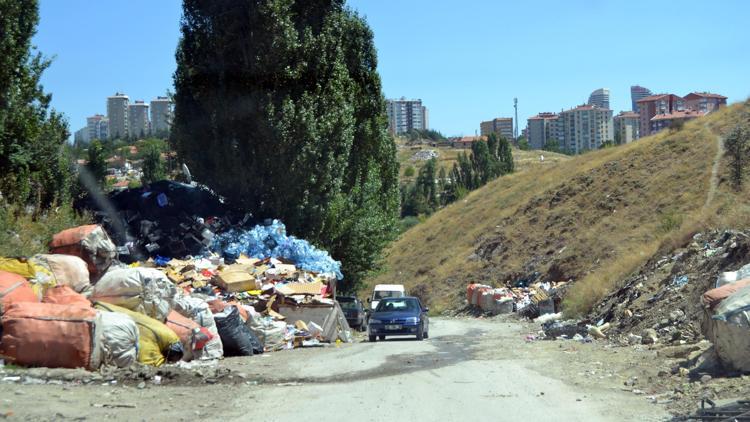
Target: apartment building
138 123
585 128
117 113
657 104
541 128
627 127
501 126
161 115
405 115
637 93
666 120
98 127
705 102
599 98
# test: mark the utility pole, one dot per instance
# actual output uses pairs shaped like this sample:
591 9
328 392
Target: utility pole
515 128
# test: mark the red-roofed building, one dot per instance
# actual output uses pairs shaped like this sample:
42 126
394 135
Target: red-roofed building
665 120
466 141
705 102
657 104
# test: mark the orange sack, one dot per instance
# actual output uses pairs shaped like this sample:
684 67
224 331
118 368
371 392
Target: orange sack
90 243
14 288
64 295
50 335
713 297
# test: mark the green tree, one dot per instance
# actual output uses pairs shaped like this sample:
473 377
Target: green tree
96 165
33 165
552 145
278 107
153 165
523 144
409 172
737 145
505 157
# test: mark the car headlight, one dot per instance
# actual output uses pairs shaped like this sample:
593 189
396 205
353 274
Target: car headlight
375 321
412 320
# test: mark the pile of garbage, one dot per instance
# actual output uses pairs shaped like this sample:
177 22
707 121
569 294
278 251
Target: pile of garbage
424 155
661 303
529 300
726 318
93 310
166 218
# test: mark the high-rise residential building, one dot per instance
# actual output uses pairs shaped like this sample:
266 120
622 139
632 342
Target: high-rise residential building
97 126
638 92
138 123
502 126
117 113
585 128
657 104
161 115
705 102
405 115
627 127
81 136
542 128
600 98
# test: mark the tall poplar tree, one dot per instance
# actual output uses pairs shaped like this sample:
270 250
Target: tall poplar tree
278 107
33 166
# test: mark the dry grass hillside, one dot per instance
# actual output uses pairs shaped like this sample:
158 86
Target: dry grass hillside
592 219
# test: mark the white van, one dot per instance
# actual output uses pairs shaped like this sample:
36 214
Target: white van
385 290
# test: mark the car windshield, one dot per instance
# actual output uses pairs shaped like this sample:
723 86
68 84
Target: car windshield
348 304
391 304
382 294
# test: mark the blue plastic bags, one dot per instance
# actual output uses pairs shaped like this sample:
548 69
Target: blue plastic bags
271 241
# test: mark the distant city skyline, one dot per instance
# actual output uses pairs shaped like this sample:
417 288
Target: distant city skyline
449 70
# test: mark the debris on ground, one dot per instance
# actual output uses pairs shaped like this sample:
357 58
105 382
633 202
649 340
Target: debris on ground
205 285
425 155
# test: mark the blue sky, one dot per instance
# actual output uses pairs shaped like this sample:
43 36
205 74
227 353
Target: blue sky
465 60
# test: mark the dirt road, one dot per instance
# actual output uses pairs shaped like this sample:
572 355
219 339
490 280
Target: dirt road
468 370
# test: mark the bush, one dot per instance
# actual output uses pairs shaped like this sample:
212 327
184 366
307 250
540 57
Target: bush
25 233
407 223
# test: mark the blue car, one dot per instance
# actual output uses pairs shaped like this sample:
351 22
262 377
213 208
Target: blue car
399 316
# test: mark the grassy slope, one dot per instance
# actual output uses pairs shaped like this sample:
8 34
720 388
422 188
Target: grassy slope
448 156
591 219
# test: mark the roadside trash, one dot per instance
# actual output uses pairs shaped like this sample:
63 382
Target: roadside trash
549 317
145 290
237 339
192 336
271 241
157 343
680 281
119 339
649 336
729 330
90 243
715 296
568 329
14 289
64 295
424 155
66 270
55 336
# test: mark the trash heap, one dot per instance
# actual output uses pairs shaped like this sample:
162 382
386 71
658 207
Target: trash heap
94 310
425 155
530 300
726 318
166 218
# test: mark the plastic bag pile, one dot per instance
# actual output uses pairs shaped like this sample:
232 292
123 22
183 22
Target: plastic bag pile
271 241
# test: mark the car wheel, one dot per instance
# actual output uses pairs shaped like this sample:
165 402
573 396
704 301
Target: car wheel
381 338
372 339
420 332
